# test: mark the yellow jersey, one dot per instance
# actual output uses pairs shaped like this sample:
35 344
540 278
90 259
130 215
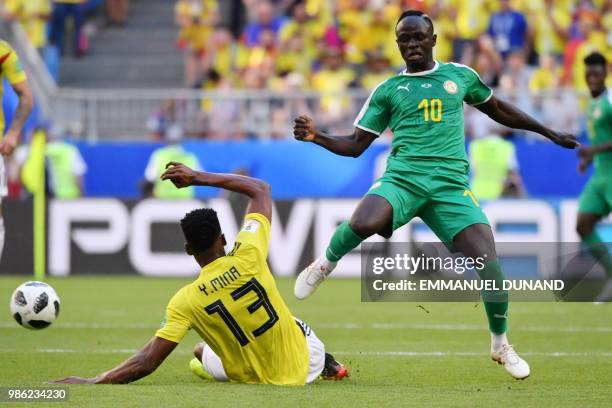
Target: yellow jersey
30 14
203 16
472 17
236 308
546 40
330 83
11 68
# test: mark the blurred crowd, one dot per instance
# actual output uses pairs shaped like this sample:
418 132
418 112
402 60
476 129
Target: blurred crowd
519 47
48 23
530 51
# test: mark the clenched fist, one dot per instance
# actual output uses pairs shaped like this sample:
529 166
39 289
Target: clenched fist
304 129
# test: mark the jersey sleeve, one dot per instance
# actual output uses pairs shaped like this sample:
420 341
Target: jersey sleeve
176 323
12 68
375 114
477 91
253 239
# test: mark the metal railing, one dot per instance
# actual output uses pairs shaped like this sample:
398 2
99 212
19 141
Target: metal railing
236 114
239 114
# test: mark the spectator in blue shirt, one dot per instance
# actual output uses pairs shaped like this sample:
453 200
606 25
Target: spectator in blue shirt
265 20
508 28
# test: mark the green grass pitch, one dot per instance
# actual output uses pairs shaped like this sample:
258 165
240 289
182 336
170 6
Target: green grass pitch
400 354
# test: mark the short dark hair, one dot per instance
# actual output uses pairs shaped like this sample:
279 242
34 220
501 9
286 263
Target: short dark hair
416 13
596 58
201 228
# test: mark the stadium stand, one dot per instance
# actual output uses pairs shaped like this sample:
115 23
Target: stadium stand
139 54
241 69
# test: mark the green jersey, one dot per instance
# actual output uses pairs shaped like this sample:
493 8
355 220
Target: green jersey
599 123
424 110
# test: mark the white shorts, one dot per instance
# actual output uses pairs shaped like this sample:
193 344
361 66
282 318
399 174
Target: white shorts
3 179
316 352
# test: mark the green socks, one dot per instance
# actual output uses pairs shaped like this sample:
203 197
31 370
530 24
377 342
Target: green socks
495 302
343 241
599 250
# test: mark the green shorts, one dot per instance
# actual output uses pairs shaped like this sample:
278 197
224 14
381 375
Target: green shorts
439 196
596 198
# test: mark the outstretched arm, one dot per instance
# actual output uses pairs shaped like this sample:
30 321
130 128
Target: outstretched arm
512 117
141 364
353 145
257 190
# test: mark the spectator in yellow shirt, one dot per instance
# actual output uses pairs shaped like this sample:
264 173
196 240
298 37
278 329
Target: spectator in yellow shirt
377 71
334 79
293 56
445 30
550 21
309 28
224 55
546 77
263 55
471 19
364 38
33 16
196 19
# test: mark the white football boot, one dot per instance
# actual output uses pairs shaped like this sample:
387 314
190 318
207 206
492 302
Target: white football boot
514 365
310 278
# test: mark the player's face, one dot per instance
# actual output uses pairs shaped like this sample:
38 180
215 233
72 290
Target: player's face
595 77
415 40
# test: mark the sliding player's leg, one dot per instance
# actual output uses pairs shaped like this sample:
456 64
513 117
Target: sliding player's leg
206 364
320 363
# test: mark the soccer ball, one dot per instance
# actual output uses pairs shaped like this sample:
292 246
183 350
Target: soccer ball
35 305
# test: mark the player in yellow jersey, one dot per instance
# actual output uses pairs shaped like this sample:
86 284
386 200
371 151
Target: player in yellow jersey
12 70
249 333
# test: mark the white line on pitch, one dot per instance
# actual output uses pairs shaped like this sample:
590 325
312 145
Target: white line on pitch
344 353
467 353
459 327
347 326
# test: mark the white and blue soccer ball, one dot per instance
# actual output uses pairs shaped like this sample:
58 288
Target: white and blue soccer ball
35 305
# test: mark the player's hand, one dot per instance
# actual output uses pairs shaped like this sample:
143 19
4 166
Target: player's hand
179 174
8 145
304 129
562 139
584 165
586 153
75 380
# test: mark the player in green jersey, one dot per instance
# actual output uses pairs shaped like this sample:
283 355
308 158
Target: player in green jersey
596 198
427 171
